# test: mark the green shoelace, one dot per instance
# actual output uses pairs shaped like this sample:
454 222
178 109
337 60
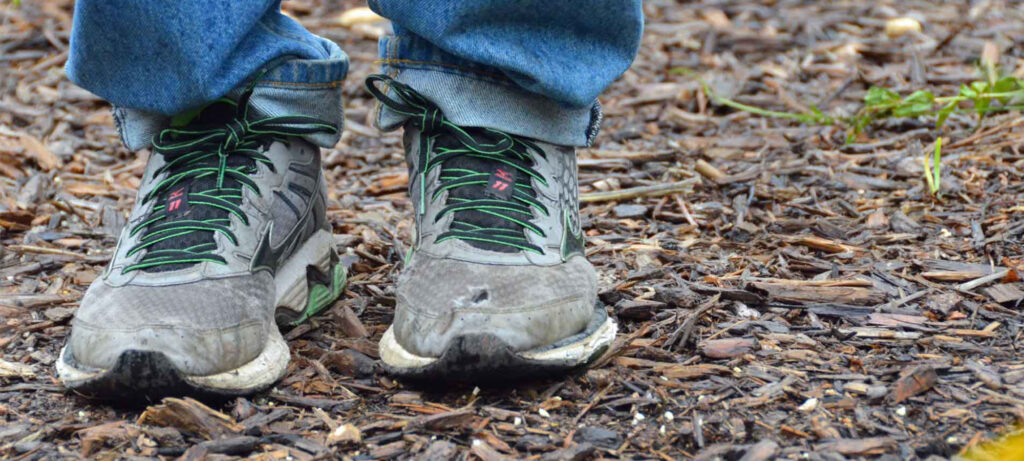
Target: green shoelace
515 204
227 154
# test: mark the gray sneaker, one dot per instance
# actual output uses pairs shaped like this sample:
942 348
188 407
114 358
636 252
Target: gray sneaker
497 285
228 234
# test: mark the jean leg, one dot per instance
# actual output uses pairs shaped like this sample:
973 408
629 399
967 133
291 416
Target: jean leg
154 59
531 67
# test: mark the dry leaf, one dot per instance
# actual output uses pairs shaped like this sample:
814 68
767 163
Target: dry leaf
914 382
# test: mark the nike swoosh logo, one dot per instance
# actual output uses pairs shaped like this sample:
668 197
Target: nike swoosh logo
270 257
267 257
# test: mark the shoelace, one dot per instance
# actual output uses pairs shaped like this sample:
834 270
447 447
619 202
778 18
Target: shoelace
516 199
228 154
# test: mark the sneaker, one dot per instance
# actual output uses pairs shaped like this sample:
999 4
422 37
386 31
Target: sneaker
228 235
496 285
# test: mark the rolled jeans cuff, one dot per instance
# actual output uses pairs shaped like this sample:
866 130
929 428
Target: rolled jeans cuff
310 87
471 95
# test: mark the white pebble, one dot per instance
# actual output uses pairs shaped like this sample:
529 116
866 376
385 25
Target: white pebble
809 405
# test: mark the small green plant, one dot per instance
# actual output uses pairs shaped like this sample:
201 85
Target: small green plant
981 97
995 94
815 117
934 177
984 96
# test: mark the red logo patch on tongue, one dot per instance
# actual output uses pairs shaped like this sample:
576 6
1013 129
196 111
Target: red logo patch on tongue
502 183
177 201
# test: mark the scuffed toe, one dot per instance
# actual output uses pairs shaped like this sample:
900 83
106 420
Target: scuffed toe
523 306
202 328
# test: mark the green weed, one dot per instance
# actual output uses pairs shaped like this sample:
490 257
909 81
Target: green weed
980 97
934 177
996 94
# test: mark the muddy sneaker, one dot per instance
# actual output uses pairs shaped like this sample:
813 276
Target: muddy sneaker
228 234
497 285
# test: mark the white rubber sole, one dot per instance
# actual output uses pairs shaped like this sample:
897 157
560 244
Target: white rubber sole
574 354
259 373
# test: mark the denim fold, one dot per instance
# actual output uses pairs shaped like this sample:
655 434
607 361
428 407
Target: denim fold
531 67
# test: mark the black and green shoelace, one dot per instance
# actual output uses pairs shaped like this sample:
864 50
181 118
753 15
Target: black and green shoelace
504 192
206 170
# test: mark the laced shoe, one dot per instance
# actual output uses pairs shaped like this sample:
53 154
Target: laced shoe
496 285
228 235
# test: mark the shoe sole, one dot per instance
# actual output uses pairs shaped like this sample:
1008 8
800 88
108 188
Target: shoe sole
303 290
485 358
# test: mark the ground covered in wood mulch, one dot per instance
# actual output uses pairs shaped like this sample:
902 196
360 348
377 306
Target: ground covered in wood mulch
782 293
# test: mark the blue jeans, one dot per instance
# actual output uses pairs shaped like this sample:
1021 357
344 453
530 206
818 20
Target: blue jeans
529 67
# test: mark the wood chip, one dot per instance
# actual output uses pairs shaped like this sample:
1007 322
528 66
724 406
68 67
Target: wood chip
823 244
692 371
708 170
454 419
16 370
44 157
821 294
868 446
190 415
727 348
919 379
986 374
345 434
116 432
761 451
1007 293
486 452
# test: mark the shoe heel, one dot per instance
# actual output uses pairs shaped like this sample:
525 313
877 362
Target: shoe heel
309 282
324 289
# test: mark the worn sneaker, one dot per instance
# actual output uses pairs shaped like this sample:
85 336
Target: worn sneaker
497 285
228 234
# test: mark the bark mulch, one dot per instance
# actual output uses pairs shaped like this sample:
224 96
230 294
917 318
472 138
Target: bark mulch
782 294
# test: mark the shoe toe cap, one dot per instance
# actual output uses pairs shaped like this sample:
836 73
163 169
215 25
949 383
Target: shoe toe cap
203 328
524 306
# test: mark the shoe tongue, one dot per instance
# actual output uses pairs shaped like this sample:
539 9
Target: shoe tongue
494 169
214 114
